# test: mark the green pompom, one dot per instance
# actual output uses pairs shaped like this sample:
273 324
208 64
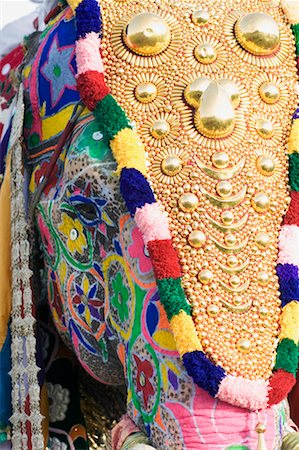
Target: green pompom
173 297
287 356
295 29
294 171
110 117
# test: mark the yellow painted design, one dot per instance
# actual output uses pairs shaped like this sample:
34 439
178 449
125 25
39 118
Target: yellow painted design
289 322
51 126
85 285
173 367
164 374
69 226
128 151
187 341
26 71
74 3
164 339
293 145
62 272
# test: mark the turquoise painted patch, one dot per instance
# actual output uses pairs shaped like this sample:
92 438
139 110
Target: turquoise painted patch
237 447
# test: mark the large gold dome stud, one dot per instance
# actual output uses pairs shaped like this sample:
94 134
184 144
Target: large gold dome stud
197 239
215 117
195 90
146 92
188 202
233 90
205 53
227 217
224 188
262 240
171 165
200 17
265 128
290 442
258 33
270 93
205 276
244 345
261 202
220 160
147 34
265 165
160 129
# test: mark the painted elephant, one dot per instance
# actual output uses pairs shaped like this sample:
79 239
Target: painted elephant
100 280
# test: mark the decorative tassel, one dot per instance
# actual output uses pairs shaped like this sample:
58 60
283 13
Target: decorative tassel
261 429
291 9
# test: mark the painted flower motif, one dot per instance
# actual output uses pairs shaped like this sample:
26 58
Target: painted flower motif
73 230
53 178
138 250
145 372
45 235
86 301
59 399
91 210
120 298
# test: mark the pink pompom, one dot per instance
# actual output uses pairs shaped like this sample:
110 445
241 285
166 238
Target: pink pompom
152 223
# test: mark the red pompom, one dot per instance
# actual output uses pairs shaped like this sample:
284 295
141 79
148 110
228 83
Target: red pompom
292 216
280 386
92 88
164 258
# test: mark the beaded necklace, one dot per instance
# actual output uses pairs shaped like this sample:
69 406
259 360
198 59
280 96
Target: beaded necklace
153 224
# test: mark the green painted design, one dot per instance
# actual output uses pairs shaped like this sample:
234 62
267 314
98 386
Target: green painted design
110 117
237 447
295 29
92 141
3 436
57 71
103 346
34 140
294 171
173 296
54 237
287 356
120 298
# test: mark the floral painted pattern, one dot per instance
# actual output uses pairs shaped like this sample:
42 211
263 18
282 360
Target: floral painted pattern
59 399
137 250
145 372
86 301
73 230
120 297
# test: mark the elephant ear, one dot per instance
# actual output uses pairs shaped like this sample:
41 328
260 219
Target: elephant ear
291 9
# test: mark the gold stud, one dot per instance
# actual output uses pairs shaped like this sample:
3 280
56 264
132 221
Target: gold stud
205 53
269 92
224 188
265 165
230 239
160 129
232 261
227 217
188 202
262 239
213 310
146 92
237 300
265 128
205 276
197 239
234 281
147 34
261 202
200 17
263 311
171 165
194 91
258 33
220 160
263 278
244 345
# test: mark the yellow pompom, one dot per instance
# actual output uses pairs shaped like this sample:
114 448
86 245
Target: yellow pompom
74 3
128 151
293 145
291 10
289 322
184 333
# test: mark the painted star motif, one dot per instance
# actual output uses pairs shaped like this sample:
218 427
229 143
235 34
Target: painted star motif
58 70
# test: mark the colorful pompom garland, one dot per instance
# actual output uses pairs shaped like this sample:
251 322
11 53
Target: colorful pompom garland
153 224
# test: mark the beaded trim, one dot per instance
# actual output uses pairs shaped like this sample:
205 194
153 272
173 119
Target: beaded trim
153 224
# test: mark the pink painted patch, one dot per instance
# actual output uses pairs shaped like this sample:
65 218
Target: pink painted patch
88 54
136 250
45 235
152 223
289 245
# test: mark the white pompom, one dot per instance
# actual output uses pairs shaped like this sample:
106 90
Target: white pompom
142 447
291 9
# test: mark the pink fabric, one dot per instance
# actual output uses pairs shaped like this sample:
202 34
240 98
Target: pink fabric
251 394
88 54
152 223
289 245
215 425
122 431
